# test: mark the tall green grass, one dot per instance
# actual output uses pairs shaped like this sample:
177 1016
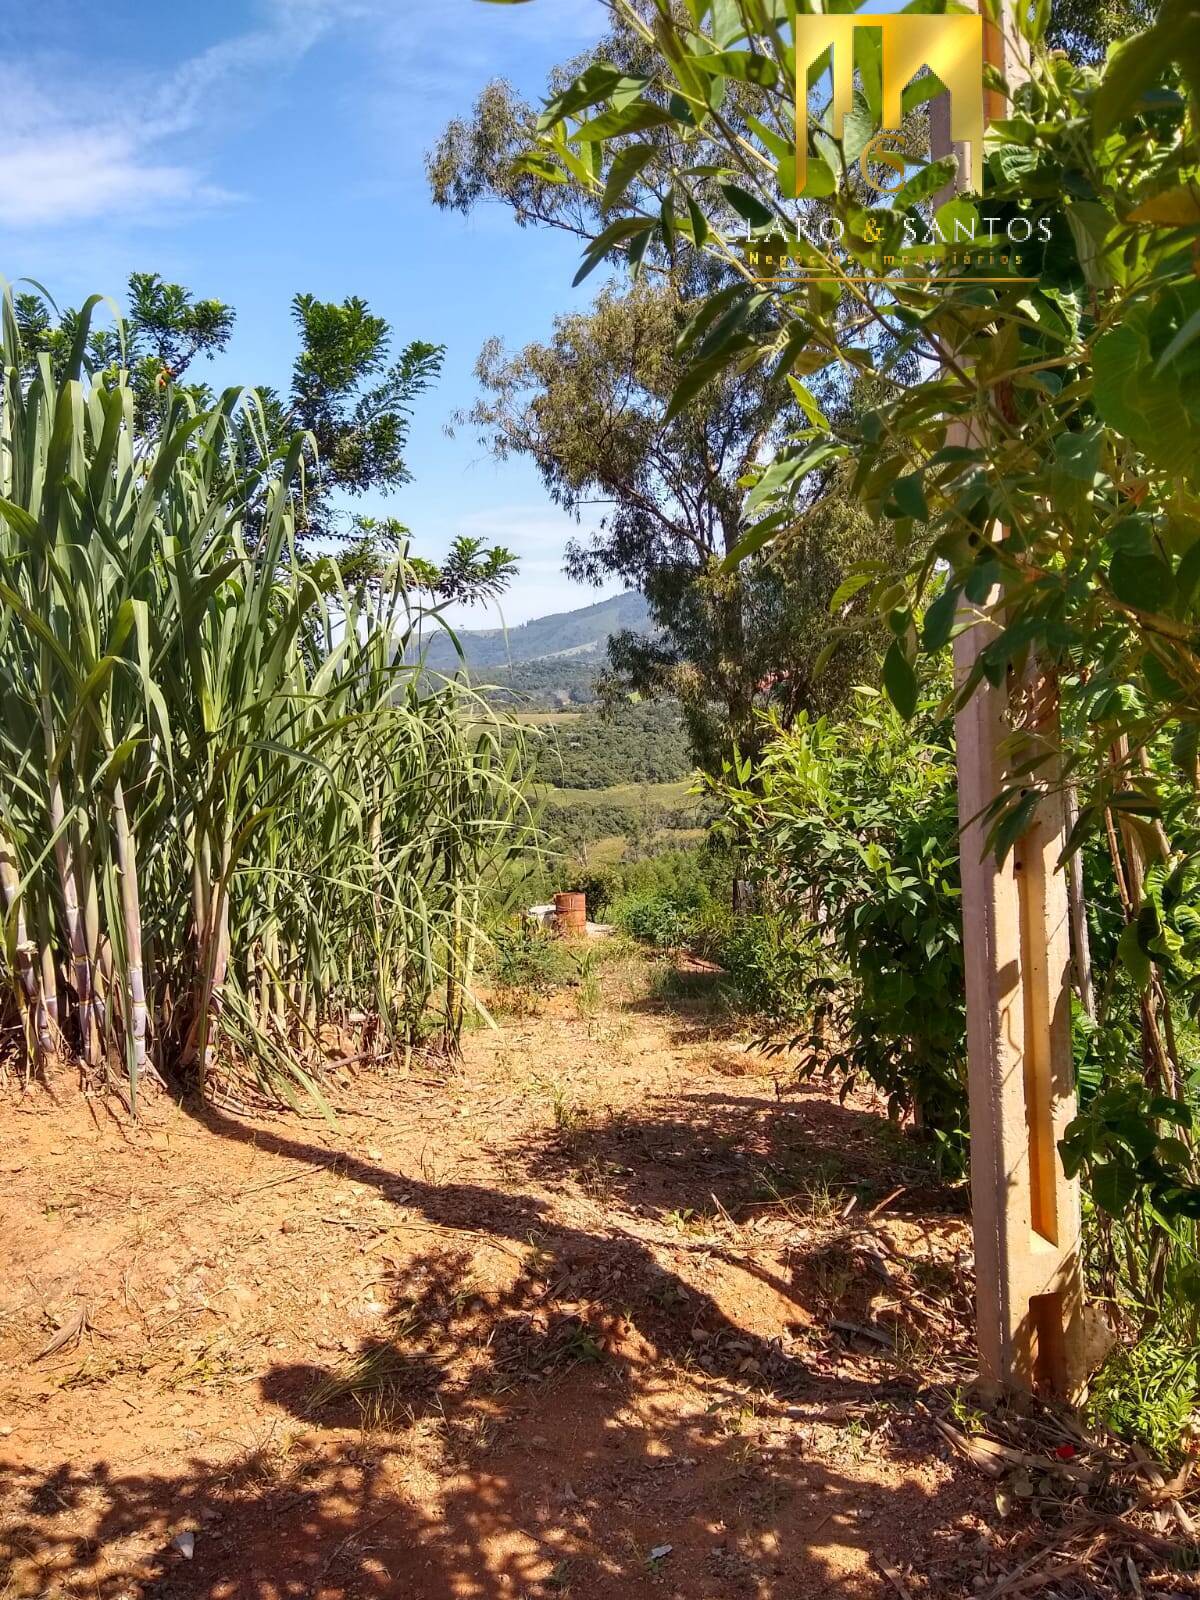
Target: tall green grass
231 817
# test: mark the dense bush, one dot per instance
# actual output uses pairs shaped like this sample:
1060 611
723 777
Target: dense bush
526 956
687 880
682 899
770 960
631 744
852 833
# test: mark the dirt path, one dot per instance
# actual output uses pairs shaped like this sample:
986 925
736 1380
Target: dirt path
563 1325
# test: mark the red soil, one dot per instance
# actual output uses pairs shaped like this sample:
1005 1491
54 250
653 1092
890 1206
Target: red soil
593 1334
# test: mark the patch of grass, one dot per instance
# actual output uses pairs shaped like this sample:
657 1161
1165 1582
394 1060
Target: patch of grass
529 957
379 1381
1148 1393
686 1219
273 1459
587 996
810 1192
597 1177
560 1579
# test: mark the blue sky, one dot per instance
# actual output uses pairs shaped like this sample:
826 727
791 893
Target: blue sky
254 150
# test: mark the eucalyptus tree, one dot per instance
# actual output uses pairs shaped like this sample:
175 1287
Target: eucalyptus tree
607 410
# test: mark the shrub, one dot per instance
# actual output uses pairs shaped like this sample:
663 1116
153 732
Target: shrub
852 833
528 957
770 962
1148 1394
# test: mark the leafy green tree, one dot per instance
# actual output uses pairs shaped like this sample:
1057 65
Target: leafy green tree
588 409
162 332
1086 28
347 389
853 829
471 574
593 409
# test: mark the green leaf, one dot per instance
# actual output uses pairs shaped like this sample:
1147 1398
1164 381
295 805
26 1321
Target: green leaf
747 206
1141 580
616 233
909 495
825 656
848 588
540 166
787 471
627 163
1133 67
900 681
1173 208
702 373
939 620
601 81
926 182
1186 335
746 65
1158 410
634 118
807 403
727 24
699 223
707 313
1132 957
1113 1187
754 540
1173 1152
1096 234
1077 455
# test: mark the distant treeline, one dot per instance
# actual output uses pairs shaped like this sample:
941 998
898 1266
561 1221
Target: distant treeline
582 823
554 685
633 744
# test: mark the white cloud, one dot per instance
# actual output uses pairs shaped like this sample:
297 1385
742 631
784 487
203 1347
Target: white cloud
69 157
71 176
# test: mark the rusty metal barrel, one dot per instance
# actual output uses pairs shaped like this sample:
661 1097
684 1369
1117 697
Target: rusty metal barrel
570 913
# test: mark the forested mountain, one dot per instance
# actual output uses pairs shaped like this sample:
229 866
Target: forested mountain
567 636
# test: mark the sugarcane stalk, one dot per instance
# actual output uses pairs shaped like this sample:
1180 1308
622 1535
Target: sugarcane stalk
214 963
48 1033
98 977
10 892
131 921
68 886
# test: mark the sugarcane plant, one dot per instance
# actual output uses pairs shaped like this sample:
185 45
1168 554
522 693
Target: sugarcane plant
236 815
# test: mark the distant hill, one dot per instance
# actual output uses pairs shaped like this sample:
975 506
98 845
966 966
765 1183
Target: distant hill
572 637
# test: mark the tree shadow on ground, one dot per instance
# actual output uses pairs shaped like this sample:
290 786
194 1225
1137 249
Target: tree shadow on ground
545 1436
564 1500
694 1003
738 1151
